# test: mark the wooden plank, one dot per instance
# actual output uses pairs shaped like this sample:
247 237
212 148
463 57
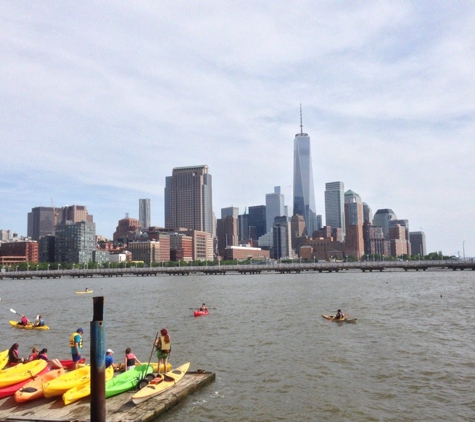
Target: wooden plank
118 408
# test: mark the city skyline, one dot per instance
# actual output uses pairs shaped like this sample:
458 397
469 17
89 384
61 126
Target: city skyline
99 114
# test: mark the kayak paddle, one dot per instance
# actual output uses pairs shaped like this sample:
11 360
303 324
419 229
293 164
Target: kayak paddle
15 312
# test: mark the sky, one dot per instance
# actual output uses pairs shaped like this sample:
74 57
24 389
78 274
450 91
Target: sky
100 100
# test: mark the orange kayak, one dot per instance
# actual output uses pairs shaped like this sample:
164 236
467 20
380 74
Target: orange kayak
34 389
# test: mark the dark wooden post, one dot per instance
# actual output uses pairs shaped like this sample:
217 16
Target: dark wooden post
98 362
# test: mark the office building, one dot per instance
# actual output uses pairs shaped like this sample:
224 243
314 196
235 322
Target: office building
74 214
227 233
281 247
147 251
354 245
418 243
144 213
274 207
257 222
41 221
232 211
335 205
304 193
75 242
188 199
382 218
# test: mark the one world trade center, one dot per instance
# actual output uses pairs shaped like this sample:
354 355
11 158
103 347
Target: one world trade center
304 192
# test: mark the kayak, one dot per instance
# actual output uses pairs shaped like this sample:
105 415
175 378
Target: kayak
68 363
200 313
84 389
21 372
84 293
60 385
127 380
160 384
33 389
332 318
30 326
10 390
155 366
3 358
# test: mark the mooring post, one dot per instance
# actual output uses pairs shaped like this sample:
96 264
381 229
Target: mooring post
98 360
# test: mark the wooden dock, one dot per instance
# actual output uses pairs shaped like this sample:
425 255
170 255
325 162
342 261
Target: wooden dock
118 408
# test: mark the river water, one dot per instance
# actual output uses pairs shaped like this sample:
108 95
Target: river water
410 356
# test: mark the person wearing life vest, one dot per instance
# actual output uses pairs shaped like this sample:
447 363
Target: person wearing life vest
339 315
163 346
75 342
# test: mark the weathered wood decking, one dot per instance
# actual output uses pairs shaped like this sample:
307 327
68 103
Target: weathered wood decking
118 408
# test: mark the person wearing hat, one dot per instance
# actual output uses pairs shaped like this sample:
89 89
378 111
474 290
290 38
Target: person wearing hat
75 342
109 358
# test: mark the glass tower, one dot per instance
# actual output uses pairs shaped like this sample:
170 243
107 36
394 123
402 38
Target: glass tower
304 193
335 205
144 213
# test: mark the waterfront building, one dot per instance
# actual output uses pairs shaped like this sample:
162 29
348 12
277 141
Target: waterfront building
181 247
397 237
244 253
158 234
382 219
144 213
303 189
75 242
405 225
188 199
46 248
374 242
418 243
41 222
335 205
226 233
354 245
126 230
281 247
147 251
18 251
275 207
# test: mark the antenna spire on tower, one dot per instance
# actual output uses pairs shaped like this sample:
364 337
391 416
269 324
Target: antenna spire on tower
301 125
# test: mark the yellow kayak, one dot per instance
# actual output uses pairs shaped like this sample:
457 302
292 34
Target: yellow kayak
21 372
159 385
3 358
60 385
30 326
84 293
84 389
155 367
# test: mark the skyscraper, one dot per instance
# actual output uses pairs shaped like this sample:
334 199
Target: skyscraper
40 222
354 245
304 193
335 205
188 199
274 207
144 213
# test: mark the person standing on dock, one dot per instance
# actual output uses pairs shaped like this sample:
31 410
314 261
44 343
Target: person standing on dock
163 346
75 342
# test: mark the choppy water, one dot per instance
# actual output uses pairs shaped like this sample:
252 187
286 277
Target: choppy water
410 356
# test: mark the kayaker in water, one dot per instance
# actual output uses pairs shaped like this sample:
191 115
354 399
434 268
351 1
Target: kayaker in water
163 346
203 308
130 359
339 315
24 320
40 322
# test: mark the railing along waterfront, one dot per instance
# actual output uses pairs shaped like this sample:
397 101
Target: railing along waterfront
254 268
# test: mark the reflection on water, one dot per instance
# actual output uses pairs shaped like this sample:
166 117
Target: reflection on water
409 356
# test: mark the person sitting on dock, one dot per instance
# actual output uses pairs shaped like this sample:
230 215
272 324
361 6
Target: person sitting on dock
13 355
34 354
339 315
54 363
24 320
203 308
109 358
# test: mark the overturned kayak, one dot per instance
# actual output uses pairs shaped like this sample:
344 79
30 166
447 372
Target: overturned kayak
332 318
30 326
33 389
200 313
160 384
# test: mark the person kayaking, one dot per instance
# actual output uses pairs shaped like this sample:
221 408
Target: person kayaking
86 289
339 315
24 320
203 308
39 322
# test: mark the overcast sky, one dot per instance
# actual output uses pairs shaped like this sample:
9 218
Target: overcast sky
100 100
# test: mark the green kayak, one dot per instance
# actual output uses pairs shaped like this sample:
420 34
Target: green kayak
127 380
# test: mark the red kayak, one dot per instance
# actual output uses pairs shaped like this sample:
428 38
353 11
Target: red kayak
68 363
200 313
9 390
